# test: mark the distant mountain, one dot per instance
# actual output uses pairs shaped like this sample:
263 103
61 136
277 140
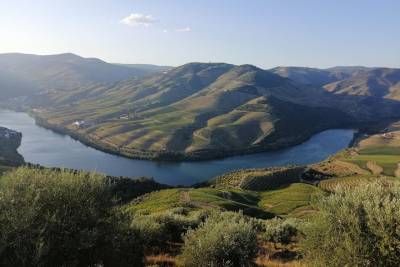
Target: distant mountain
24 74
310 76
318 77
378 82
202 110
361 81
147 68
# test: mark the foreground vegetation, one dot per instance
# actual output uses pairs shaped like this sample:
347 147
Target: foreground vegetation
340 212
69 218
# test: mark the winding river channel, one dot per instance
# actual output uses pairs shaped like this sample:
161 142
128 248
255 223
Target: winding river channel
50 149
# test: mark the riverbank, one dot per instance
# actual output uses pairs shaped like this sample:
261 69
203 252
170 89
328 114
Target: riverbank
51 149
173 156
9 142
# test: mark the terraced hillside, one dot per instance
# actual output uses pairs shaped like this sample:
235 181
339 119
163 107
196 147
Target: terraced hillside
200 111
378 153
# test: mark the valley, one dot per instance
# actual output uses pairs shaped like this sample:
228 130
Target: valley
270 148
203 111
50 149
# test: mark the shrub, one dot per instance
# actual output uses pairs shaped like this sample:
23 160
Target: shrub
356 227
160 228
61 218
280 231
226 239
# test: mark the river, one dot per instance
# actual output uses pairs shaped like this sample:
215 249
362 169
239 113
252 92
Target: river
50 149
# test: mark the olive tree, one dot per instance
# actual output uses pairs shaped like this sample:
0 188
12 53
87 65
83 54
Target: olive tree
63 218
355 227
227 239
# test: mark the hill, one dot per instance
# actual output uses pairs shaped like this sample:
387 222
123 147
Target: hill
319 77
202 110
379 82
361 81
149 68
25 74
311 76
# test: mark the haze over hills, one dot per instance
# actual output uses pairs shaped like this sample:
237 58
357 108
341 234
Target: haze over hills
204 110
375 82
25 74
379 82
318 77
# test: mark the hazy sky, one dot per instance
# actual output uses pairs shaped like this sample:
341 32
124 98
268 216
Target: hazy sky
267 33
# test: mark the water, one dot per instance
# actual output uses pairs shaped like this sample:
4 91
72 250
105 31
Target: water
47 148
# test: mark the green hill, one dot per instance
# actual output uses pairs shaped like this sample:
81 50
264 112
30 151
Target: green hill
199 111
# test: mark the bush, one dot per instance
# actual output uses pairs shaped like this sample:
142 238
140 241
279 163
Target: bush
226 239
356 227
62 218
160 228
280 230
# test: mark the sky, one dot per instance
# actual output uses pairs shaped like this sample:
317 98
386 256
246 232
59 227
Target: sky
266 33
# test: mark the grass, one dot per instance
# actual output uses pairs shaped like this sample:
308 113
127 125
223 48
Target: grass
292 200
387 162
4 169
230 199
158 201
380 150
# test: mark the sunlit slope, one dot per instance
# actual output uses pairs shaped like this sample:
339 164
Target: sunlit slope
201 110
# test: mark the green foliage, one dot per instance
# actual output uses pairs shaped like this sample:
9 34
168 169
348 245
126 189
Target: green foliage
61 218
257 179
225 239
280 231
158 201
230 200
272 180
292 200
355 227
387 161
160 228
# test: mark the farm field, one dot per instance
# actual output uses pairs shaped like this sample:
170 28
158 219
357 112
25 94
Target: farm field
378 153
293 200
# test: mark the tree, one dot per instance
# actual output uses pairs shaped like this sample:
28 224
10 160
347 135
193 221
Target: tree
227 239
61 218
356 227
